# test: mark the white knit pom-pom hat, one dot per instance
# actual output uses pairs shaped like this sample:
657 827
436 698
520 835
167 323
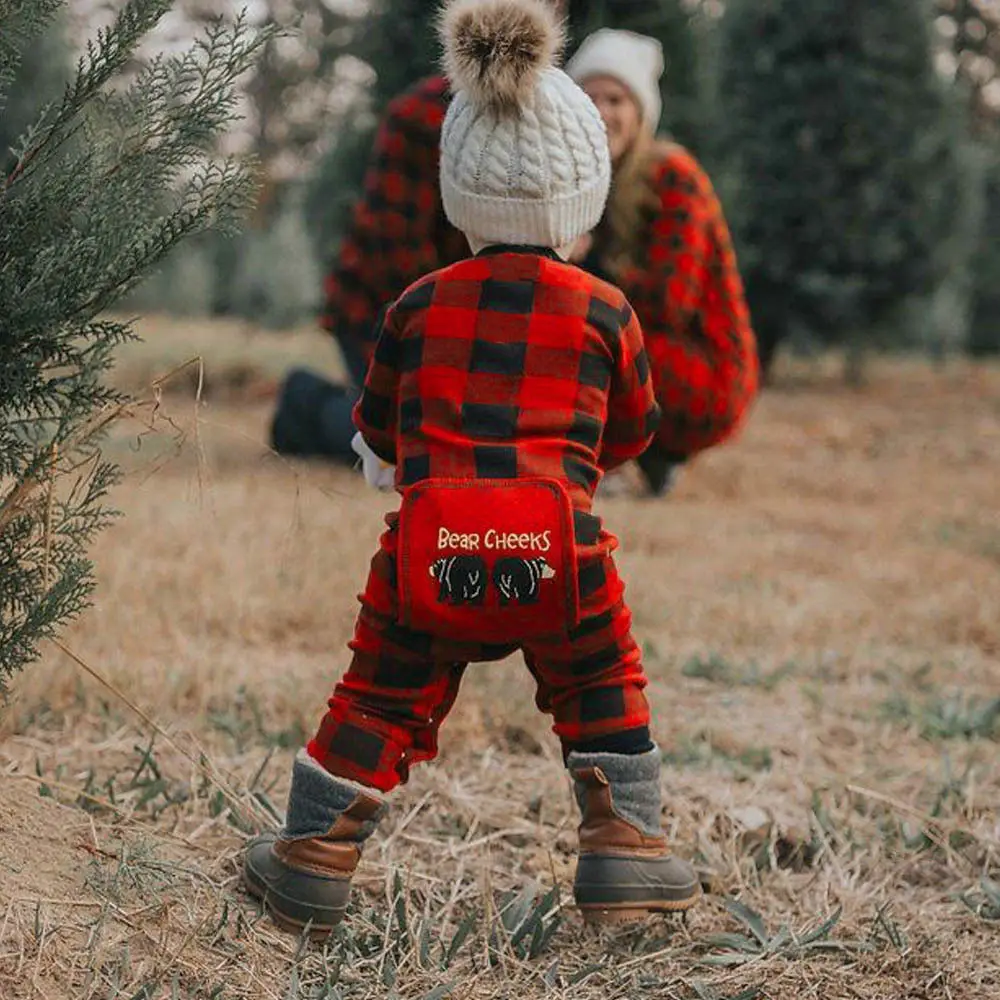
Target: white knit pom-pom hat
524 153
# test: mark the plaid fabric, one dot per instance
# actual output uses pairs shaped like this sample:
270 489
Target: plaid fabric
689 299
509 364
385 713
399 231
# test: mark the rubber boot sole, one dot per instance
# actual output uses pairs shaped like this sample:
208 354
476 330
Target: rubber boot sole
285 892
611 889
630 913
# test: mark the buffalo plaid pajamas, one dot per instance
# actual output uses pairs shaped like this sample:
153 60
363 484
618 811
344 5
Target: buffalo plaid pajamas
385 713
687 292
509 365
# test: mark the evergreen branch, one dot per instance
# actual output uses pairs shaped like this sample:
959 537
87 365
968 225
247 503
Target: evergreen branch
105 184
217 191
159 102
43 533
19 500
20 22
103 61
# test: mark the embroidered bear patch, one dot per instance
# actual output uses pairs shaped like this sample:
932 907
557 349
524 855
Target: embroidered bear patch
461 579
518 579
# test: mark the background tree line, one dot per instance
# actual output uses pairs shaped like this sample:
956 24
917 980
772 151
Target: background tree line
854 145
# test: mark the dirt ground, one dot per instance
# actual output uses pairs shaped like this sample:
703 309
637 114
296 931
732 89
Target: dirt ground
819 605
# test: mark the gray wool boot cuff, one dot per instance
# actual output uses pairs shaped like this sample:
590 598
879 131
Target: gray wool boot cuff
317 799
634 780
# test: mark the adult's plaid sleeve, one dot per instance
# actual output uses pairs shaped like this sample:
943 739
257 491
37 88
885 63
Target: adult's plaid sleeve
397 231
689 297
633 412
376 412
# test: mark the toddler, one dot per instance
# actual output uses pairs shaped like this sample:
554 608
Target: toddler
501 389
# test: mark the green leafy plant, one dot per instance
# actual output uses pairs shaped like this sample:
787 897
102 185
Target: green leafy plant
719 670
984 902
950 716
758 942
705 992
700 750
528 920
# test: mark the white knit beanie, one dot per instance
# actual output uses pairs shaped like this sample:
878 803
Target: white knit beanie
524 153
633 60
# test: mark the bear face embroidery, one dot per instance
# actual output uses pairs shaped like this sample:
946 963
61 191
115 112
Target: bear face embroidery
519 579
461 579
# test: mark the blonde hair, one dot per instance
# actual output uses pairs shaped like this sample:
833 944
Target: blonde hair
622 235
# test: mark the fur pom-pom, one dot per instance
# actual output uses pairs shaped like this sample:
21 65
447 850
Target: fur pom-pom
494 50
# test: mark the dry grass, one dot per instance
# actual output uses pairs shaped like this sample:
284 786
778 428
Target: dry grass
820 608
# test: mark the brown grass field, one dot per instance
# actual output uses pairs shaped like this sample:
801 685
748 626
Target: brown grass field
819 604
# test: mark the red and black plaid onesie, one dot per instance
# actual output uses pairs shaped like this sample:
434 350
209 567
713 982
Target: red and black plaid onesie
518 376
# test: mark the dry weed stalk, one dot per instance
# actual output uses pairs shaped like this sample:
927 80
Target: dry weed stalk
24 498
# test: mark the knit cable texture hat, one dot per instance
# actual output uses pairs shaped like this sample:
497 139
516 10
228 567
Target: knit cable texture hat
634 60
524 153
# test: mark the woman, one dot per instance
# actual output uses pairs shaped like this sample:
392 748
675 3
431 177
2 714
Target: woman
664 241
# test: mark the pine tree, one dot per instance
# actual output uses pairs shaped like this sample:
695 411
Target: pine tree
294 85
106 182
984 327
972 35
972 39
835 128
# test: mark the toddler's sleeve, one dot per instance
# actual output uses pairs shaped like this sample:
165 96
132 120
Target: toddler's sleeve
376 412
633 413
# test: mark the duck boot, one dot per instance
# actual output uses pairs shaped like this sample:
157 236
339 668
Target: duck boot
626 869
303 874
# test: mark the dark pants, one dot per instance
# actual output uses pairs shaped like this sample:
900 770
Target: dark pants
314 415
354 360
313 418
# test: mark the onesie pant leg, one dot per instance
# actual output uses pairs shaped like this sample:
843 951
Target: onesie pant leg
385 713
592 684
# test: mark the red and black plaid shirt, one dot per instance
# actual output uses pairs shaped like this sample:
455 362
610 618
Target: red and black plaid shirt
399 230
509 364
689 298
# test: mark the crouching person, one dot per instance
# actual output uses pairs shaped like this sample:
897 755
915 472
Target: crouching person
501 389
